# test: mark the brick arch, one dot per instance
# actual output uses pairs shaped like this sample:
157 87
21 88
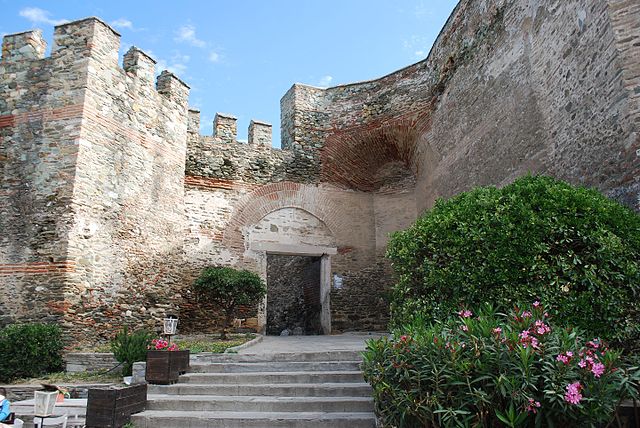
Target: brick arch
272 197
350 156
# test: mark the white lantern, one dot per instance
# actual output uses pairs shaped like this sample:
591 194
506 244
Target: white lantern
170 325
44 403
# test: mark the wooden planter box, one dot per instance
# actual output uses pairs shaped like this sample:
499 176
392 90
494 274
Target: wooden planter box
628 415
112 407
164 367
182 359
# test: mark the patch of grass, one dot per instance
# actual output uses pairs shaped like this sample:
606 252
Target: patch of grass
196 343
98 376
103 347
212 345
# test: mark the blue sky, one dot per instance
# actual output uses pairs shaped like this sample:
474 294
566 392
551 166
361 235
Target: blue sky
240 57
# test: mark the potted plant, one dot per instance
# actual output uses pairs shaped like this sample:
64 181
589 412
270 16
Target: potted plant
61 390
165 362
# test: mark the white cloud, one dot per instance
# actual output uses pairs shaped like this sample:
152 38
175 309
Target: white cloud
416 45
122 23
187 34
40 16
325 80
177 64
214 56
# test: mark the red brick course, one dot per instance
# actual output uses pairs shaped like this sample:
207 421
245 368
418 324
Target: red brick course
37 268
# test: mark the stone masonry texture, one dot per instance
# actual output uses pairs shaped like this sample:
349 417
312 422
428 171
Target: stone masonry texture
111 202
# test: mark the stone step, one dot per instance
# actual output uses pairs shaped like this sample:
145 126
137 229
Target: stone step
277 366
273 377
205 403
324 356
359 389
173 419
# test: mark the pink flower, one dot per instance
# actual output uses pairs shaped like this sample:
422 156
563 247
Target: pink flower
161 344
533 406
541 328
497 330
562 358
465 313
464 328
597 369
573 395
582 364
594 343
524 334
526 314
569 354
536 304
534 343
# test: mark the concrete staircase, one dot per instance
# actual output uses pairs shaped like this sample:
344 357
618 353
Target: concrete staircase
301 389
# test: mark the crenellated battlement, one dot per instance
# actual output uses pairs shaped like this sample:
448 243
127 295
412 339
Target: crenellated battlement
225 130
29 45
84 47
260 133
140 65
222 156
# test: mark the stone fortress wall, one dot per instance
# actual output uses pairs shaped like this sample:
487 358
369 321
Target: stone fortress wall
111 202
92 195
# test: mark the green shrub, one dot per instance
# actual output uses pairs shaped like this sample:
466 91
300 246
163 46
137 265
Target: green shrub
128 348
537 238
229 288
493 370
29 350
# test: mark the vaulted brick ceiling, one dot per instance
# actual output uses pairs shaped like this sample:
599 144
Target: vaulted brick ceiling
353 158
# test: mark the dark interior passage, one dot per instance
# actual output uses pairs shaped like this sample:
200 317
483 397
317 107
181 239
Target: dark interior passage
293 294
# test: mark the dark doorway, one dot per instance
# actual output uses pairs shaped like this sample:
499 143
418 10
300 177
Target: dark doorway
293 295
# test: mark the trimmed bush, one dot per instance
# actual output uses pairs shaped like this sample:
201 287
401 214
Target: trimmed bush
229 289
29 350
495 370
537 238
129 348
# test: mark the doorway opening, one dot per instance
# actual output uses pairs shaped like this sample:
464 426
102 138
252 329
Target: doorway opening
294 303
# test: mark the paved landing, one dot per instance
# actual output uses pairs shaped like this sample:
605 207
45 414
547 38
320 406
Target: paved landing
286 344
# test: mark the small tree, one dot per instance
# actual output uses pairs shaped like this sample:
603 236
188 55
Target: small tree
229 289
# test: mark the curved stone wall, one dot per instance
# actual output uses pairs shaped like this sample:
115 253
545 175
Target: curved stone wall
509 87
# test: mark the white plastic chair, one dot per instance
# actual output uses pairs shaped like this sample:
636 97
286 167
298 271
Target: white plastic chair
49 422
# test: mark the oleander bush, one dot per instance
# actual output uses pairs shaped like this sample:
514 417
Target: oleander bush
494 370
537 238
30 350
